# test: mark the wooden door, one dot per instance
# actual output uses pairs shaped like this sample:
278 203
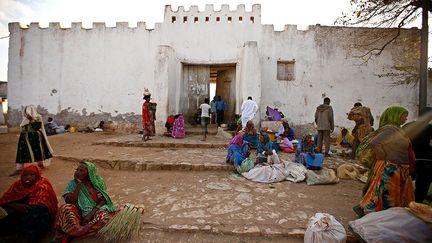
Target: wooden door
198 88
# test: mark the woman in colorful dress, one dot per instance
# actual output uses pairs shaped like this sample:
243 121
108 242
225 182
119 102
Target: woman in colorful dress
148 116
33 145
29 206
389 183
88 207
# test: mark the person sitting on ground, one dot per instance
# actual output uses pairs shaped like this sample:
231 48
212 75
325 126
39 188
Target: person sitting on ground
178 129
285 131
238 150
29 206
250 135
345 139
88 207
306 155
33 144
169 124
265 148
52 128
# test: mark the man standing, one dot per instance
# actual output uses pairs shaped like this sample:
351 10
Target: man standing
248 110
220 107
325 125
213 110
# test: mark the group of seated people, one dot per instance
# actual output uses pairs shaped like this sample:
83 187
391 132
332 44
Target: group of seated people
29 207
241 144
52 128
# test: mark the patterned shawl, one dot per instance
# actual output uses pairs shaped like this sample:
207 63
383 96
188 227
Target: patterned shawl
40 193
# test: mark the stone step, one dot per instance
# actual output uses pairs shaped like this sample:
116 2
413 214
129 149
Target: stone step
145 165
190 141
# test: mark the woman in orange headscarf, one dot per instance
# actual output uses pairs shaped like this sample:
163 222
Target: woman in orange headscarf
29 206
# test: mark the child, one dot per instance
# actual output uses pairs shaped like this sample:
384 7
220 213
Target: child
345 139
205 117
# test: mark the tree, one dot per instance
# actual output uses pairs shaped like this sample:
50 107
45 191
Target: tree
394 14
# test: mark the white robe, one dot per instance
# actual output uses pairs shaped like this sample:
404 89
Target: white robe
248 110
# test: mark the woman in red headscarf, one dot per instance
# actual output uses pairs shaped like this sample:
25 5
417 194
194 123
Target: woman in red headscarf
148 116
29 206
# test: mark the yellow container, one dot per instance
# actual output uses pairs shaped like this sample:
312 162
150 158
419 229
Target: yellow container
72 129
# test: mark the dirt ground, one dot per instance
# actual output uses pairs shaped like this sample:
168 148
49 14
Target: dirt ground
195 206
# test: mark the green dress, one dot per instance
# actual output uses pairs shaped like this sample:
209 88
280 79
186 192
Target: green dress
32 146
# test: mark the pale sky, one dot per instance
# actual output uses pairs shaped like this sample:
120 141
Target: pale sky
276 12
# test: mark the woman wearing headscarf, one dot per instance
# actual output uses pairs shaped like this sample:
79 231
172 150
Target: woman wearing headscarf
148 116
306 155
389 183
250 135
238 150
29 206
88 207
33 145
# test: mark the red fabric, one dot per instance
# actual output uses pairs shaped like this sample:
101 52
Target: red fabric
41 192
145 112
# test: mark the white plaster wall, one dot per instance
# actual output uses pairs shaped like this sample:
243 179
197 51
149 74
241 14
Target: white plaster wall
105 69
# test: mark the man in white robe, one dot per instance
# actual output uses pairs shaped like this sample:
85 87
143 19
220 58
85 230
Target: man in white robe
248 110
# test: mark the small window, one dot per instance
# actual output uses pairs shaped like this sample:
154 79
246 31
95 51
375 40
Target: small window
285 70
184 19
173 19
196 20
252 19
207 19
229 19
217 19
240 19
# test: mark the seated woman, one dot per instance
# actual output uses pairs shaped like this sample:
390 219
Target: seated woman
178 130
265 148
29 206
285 131
345 139
250 135
306 155
238 150
88 207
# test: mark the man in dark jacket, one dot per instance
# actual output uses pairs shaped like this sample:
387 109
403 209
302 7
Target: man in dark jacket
325 125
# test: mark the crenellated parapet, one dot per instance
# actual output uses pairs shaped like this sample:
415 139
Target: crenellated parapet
79 26
210 16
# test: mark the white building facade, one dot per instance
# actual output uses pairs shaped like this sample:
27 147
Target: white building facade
80 76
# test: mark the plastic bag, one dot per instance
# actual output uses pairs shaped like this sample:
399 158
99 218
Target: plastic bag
392 225
347 171
320 177
324 227
245 166
295 172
